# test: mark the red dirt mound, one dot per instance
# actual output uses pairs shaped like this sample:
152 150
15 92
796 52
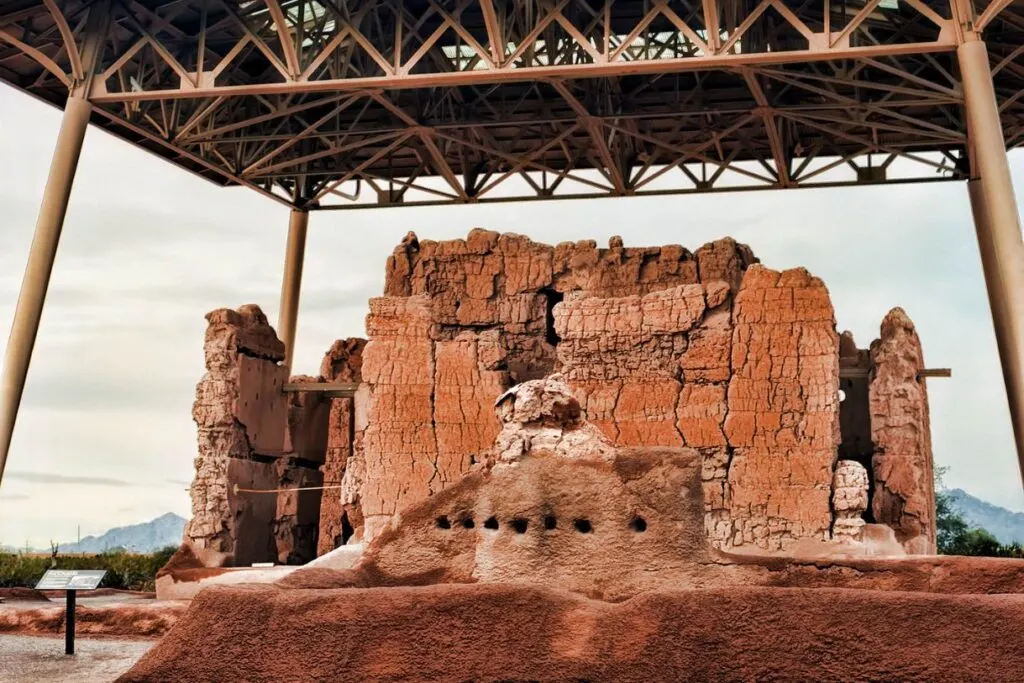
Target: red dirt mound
125 621
183 558
490 632
23 595
102 593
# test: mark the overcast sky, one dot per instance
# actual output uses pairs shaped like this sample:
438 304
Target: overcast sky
105 435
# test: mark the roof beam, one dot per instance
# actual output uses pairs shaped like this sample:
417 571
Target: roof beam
993 9
538 73
291 55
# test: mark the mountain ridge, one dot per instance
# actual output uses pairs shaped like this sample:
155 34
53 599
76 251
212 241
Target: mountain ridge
1006 525
144 537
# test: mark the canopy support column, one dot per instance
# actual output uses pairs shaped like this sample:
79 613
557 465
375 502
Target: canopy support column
997 222
40 265
292 282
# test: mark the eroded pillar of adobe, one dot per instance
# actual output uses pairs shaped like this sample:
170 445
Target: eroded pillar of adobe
340 513
903 495
241 415
256 492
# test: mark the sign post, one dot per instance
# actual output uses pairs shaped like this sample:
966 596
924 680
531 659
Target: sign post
71 581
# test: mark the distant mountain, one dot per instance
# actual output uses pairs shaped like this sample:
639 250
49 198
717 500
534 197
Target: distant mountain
1005 525
139 538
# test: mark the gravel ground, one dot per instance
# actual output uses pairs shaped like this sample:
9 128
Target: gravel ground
31 659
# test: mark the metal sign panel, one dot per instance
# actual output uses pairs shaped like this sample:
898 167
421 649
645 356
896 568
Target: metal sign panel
71 579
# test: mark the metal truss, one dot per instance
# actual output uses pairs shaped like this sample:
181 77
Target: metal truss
358 103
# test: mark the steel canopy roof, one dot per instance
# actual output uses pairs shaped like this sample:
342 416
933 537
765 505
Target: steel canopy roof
337 104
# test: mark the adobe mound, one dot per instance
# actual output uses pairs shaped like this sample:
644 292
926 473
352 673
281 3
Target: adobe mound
516 632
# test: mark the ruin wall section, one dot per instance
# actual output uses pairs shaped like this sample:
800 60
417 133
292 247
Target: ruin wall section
902 465
662 347
340 513
254 439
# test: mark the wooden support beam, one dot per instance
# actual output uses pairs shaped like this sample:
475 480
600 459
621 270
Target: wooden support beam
861 373
327 389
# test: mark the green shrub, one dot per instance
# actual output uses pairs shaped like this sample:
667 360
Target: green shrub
126 571
954 536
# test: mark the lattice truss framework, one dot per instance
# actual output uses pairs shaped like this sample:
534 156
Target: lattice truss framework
356 103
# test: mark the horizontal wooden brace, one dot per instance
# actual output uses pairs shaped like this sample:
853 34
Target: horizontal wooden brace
862 373
935 372
327 389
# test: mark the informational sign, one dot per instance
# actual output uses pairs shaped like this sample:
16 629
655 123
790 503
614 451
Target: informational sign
71 579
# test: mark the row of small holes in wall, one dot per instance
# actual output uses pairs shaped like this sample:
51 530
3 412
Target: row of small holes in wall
637 524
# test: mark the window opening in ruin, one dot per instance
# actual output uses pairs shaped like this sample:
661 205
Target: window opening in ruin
638 524
550 522
520 525
467 523
553 299
855 431
583 526
346 528
491 523
444 523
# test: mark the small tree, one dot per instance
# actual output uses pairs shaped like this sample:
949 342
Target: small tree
54 549
950 527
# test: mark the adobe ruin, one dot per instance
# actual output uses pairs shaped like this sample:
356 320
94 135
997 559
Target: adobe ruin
726 378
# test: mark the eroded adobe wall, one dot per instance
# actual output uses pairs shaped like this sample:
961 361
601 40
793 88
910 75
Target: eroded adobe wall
783 411
254 437
240 413
626 357
752 384
463 320
297 519
340 513
902 467
663 346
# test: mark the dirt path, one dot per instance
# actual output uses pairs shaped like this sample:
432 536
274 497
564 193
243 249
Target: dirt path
32 659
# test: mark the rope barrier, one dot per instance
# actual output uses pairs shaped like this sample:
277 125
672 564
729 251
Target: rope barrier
236 490
299 488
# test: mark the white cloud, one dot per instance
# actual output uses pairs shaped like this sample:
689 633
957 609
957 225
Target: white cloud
148 250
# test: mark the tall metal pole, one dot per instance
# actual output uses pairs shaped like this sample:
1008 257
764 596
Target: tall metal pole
69 622
997 222
40 265
292 282
49 224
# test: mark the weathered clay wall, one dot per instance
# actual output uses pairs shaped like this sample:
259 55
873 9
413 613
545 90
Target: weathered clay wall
240 435
661 346
253 436
465 319
783 410
297 521
902 468
340 514
626 357
753 384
